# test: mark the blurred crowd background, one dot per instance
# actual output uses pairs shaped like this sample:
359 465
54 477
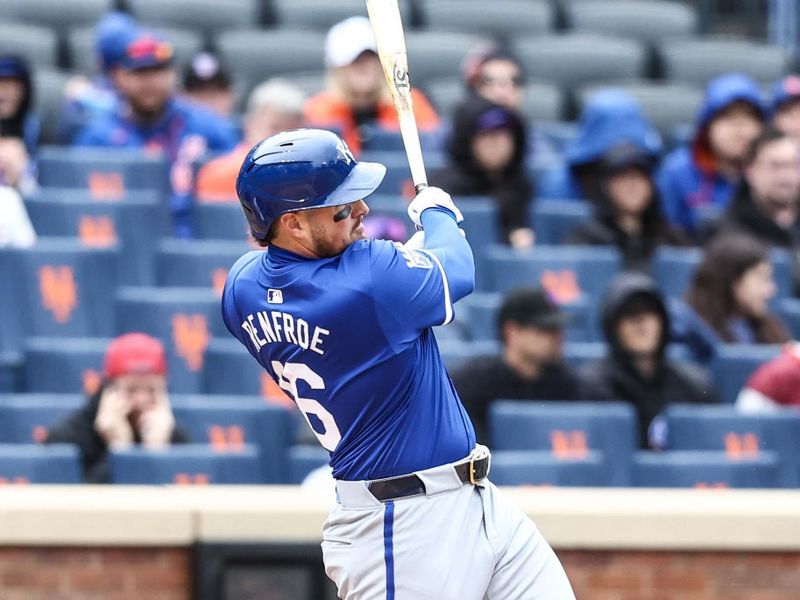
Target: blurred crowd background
629 171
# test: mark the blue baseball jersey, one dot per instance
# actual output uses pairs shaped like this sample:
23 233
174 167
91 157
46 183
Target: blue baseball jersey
350 339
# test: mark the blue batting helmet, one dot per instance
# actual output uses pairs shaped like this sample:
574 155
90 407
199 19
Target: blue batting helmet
301 169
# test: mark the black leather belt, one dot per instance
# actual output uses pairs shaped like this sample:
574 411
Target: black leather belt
472 471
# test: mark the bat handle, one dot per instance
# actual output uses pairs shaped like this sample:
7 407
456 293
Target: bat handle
419 187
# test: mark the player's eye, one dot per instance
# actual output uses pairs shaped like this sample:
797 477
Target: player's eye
342 214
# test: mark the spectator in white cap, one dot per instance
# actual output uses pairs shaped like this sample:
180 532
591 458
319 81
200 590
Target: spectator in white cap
356 93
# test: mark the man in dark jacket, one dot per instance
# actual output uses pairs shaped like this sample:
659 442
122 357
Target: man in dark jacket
130 408
636 370
530 367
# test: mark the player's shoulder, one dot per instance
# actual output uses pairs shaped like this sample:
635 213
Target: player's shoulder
384 254
246 267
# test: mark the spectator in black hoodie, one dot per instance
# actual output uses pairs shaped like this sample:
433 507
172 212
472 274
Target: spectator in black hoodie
627 214
637 370
19 126
486 157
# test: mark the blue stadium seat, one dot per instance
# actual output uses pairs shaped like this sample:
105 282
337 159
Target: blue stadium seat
108 173
397 181
789 311
377 139
186 464
229 426
10 368
688 468
553 220
568 430
733 364
11 331
184 318
136 223
456 352
304 459
196 263
568 273
388 219
64 365
231 370
537 467
25 418
32 463
722 428
64 289
220 221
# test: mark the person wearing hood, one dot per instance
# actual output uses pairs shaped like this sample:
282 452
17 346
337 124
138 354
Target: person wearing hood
486 157
130 408
19 125
785 109
628 214
491 71
636 369
531 365
610 117
700 179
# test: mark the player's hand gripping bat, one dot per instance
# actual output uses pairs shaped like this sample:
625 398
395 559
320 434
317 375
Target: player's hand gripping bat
390 40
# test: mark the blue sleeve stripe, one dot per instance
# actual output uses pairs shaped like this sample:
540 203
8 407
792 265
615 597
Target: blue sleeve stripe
388 547
448 303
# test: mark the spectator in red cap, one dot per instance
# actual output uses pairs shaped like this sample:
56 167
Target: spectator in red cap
130 408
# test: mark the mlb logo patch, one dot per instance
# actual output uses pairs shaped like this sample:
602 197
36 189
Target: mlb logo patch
275 296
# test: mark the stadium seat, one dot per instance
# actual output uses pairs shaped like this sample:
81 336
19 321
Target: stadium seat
64 288
789 311
194 263
321 16
722 428
703 469
197 14
25 418
697 61
10 369
289 51
506 17
572 60
433 55
568 430
666 105
230 370
189 464
135 223
224 221
38 45
64 365
54 13
733 364
541 468
228 427
49 86
553 220
184 318
108 173
303 460
455 353
568 273
32 463
645 21
377 139
12 335
397 181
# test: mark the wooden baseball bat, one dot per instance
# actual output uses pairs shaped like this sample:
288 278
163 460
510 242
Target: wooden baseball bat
384 15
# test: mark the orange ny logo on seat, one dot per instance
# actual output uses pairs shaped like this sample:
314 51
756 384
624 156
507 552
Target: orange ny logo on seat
741 445
218 277
226 438
561 285
106 186
59 291
569 444
273 394
190 335
14 481
97 232
191 479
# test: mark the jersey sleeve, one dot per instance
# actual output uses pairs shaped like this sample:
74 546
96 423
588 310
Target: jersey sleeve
230 311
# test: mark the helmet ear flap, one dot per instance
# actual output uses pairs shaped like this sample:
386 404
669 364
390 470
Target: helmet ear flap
257 228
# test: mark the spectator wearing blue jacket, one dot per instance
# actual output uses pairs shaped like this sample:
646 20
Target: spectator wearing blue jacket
699 179
611 117
151 116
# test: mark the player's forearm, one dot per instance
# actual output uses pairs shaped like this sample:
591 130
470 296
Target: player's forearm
445 239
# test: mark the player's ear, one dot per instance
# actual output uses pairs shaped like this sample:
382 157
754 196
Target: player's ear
294 224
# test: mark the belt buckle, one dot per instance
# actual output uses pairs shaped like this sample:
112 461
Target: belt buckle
472 471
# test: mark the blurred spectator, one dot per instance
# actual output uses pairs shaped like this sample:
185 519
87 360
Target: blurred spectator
151 116
637 369
786 106
131 407
273 106
728 300
486 157
610 117
628 213
85 99
19 125
492 72
774 385
16 230
357 94
767 203
703 175
531 367
207 83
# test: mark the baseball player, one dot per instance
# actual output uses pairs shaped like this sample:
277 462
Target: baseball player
343 324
